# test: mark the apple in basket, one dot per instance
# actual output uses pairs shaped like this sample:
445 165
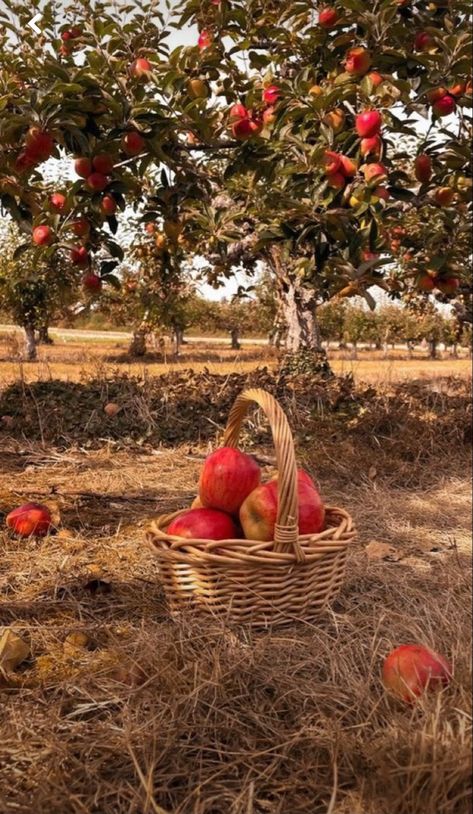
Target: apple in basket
204 524
227 478
259 511
412 668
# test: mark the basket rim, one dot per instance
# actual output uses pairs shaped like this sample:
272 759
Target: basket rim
334 538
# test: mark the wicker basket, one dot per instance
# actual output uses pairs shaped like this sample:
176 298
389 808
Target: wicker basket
273 583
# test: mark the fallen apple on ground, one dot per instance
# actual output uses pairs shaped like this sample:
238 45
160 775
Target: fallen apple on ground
410 669
30 519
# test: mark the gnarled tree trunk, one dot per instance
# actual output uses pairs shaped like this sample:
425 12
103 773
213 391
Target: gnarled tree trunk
304 351
138 342
43 336
235 338
30 344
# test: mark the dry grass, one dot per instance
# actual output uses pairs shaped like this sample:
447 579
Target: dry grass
76 360
152 717
191 719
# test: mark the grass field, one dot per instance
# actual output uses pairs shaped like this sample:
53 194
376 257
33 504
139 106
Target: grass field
145 716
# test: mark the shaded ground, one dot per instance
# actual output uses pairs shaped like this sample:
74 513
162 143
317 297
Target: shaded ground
151 716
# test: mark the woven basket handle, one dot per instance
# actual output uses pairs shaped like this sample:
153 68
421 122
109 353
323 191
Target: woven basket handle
286 535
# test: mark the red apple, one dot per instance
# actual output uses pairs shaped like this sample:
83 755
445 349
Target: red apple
91 282
39 143
336 180
246 128
331 162
96 182
382 193
425 283
367 255
258 513
103 163
59 202
238 111
443 196
412 668
227 478
31 519
371 146
140 68
347 167
25 161
374 172
79 256
368 124
83 167
133 143
42 235
423 168
204 524
448 285
357 61
271 94
444 106
375 78
81 227
108 205
423 41
328 17
205 40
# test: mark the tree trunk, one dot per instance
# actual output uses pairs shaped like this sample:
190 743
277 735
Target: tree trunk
30 344
410 350
354 353
138 342
454 352
43 336
235 337
433 349
178 336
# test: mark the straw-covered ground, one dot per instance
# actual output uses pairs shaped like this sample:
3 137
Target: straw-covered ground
141 715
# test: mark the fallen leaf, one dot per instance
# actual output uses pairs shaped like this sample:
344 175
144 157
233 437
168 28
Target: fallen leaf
382 551
13 650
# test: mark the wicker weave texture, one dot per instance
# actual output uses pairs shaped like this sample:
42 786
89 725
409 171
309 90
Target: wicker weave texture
252 582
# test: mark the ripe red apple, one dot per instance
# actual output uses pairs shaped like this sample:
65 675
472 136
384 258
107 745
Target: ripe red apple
140 68
448 285
368 124
204 524
457 90
357 61
59 202
103 163
227 478
246 128
108 205
96 182
205 40
25 161
425 283
444 106
39 143
133 143
331 162
336 180
374 172
443 196
382 193
71 34
239 111
347 167
42 235
412 668
371 146
258 513
83 167
31 519
79 256
91 282
328 17
423 41
271 94
367 255
375 78
81 227
423 168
